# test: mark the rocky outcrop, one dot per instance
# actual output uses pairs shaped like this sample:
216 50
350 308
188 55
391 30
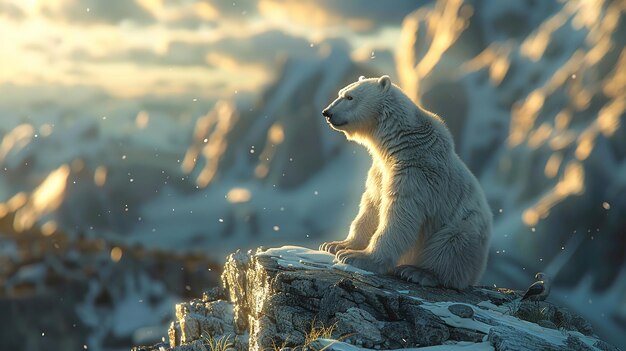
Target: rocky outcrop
295 297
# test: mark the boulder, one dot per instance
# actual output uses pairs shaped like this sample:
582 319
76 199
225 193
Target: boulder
293 297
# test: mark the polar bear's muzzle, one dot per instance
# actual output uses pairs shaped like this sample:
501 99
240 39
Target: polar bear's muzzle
332 119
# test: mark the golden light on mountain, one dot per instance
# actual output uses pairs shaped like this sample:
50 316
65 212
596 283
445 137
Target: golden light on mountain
238 195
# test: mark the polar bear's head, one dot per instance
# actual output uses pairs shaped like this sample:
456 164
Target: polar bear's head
357 109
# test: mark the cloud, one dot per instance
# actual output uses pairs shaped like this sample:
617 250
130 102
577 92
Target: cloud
178 53
182 13
359 15
11 10
263 48
195 13
234 8
96 11
189 21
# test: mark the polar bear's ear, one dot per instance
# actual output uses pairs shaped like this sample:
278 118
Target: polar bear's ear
361 78
385 82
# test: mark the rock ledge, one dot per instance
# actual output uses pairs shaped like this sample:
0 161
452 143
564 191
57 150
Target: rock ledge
294 297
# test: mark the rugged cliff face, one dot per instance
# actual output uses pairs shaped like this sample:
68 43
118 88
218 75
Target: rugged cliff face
295 297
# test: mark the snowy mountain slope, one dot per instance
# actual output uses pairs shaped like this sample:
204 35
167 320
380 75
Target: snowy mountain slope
268 169
255 166
284 132
538 108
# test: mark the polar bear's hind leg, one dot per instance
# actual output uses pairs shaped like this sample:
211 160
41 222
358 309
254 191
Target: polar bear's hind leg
456 256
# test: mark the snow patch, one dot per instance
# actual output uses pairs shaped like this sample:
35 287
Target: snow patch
303 258
452 346
496 316
489 305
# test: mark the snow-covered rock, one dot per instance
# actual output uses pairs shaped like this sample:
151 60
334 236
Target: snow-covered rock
280 297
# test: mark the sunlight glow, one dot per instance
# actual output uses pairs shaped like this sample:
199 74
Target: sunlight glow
276 134
210 140
238 195
523 117
609 116
496 58
446 25
49 228
45 130
18 200
308 12
100 176
142 120
116 254
535 45
571 183
585 144
538 136
16 139
46 198
553 165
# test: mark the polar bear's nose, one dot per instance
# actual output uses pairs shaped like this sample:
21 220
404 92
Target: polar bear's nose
327 113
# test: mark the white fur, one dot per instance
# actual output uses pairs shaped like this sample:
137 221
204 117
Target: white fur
422 207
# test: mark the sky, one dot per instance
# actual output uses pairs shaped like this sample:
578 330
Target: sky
205 49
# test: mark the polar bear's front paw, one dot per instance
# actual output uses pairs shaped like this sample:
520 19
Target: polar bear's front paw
334 246
359 259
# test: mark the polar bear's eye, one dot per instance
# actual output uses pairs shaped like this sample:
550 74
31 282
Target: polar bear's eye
348 97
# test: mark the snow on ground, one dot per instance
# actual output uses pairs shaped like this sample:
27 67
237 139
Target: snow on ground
500 317
486 314
301 257
459 346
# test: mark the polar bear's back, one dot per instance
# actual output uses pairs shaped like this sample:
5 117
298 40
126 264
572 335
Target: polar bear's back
459 194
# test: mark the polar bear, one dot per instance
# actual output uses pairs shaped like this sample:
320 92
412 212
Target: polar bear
423 215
